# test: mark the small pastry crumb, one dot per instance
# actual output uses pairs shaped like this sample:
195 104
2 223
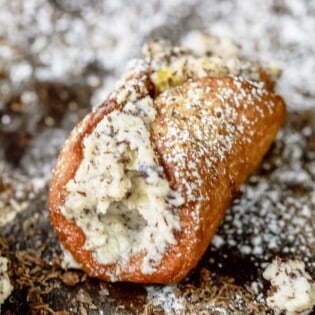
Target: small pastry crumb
292 288
5 286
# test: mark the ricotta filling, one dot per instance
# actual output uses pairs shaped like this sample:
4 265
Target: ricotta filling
292 288
120 197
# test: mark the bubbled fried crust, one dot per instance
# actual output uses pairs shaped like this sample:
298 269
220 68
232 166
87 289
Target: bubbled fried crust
209 134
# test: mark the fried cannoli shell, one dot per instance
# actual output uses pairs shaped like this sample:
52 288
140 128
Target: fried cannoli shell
193 154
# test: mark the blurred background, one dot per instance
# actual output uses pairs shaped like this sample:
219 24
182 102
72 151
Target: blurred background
60 57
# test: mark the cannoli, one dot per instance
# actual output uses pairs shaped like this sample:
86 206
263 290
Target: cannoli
144 180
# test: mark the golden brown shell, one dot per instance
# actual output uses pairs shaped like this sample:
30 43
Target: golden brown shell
209 134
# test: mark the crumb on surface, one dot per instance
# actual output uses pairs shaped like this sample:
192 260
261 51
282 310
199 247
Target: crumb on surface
292 289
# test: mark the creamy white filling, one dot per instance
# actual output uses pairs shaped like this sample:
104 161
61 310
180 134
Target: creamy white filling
119 195
203 55
292 288
5 286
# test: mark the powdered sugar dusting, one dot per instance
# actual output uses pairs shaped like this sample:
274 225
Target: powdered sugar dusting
280 216
274 216
207 115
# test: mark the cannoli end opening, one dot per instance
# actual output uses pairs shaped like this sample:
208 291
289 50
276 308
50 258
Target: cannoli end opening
119 195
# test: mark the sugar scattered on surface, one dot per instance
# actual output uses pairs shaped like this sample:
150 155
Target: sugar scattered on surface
109 34
267 209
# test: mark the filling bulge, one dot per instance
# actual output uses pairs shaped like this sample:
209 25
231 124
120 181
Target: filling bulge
120 197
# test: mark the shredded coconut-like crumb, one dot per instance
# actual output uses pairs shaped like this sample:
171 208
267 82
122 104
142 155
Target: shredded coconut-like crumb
292 288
